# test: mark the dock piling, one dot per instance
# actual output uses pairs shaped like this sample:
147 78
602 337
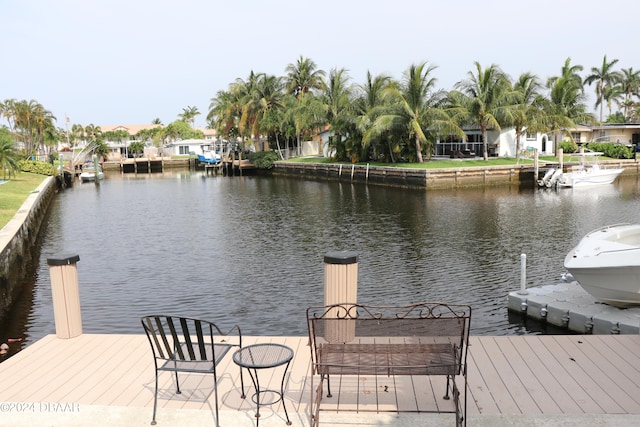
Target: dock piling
65 296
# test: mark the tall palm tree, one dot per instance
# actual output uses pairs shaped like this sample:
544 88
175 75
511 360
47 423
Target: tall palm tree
486 99
604 77
527 115
630 82
156 121
370 101
304 77
414 109
225 111
340 112
7 110
31 120
189 114
565 105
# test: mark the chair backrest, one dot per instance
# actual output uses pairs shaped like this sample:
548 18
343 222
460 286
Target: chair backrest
181 338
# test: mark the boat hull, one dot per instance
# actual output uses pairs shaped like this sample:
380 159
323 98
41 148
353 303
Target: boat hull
589 178
606 263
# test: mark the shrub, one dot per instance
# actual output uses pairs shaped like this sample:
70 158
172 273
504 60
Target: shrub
614 151
568 146
263 159
35 166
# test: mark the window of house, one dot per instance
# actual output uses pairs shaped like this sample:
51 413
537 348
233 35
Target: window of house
576 137
183 149
531 136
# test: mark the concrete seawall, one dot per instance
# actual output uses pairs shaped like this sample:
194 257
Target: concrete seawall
429 179
410 177
18 241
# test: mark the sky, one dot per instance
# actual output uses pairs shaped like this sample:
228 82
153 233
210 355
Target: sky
122 62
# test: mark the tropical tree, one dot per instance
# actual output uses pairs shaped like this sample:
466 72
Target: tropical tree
369 102
156 121
338 98
565 105
304 77
9 154
527 115
136 148
604 77
31 122
189 114
413 111
307 114
486 99
7 110
630 82
224 112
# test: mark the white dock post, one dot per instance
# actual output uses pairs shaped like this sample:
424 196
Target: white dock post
523 274
65 296
340 286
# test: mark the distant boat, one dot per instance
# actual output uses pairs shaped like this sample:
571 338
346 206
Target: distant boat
92 173
588 172
606 263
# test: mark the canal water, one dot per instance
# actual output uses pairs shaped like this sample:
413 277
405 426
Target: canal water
250 250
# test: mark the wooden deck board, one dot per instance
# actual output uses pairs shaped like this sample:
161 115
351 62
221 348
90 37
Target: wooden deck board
507 375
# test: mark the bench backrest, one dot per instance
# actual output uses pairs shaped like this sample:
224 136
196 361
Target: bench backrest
424 323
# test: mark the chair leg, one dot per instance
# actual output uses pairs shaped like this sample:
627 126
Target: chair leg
155 402
328 386
177 384
215 393
446 395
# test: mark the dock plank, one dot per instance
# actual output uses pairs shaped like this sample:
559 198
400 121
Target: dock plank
525 375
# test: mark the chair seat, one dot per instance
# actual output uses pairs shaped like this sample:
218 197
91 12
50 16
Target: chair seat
197 365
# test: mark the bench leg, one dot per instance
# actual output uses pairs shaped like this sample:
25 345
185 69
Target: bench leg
328 384
446 394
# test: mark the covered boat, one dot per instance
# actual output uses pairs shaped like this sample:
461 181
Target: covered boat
606 263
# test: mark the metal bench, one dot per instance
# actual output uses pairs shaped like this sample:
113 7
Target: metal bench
428 338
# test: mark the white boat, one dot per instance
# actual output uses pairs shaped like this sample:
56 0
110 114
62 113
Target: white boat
588 172
93 172
606 263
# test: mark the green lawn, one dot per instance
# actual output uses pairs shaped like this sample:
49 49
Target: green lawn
15 192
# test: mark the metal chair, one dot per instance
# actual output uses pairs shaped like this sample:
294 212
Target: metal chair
182 344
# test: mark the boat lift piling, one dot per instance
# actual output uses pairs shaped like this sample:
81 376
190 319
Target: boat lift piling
523 275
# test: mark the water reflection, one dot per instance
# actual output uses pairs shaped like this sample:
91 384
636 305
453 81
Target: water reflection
249 250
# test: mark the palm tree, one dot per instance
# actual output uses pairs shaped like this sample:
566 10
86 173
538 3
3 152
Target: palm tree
565 105
414 109
304 77
367 104
485 99
604 77
156 121
9 155
338 98
306 114
189 114
527 115
224 112
630 82
31 120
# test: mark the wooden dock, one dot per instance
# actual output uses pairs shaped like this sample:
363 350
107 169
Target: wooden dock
109 380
